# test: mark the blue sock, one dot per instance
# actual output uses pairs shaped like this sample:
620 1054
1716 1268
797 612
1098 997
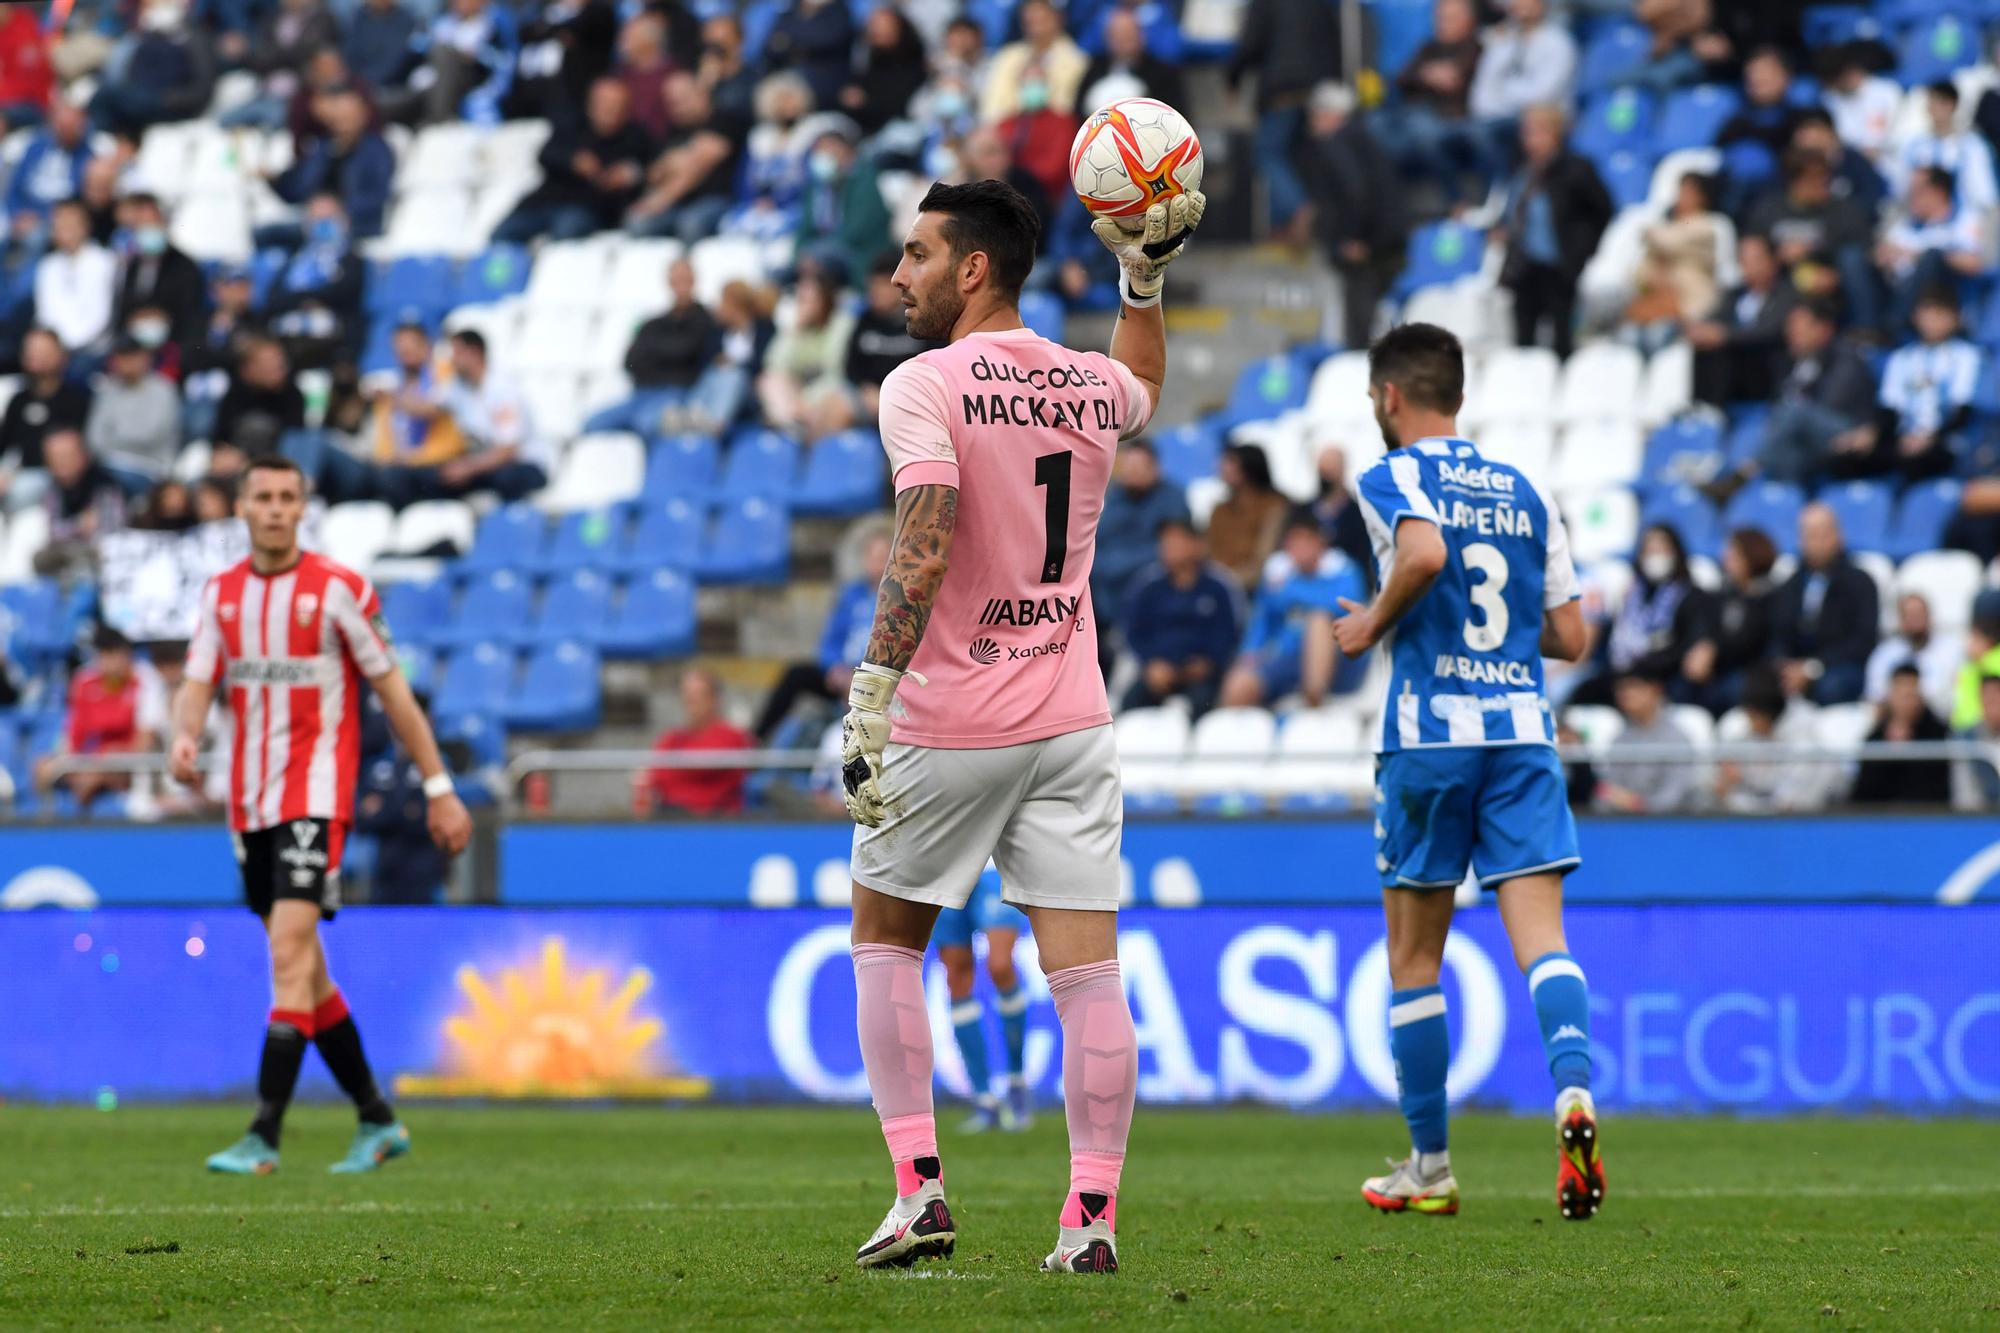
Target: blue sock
1421 1044
966 1025
1013 1007
1562 1005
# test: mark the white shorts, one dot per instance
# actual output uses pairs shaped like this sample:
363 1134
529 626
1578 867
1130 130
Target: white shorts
1050 814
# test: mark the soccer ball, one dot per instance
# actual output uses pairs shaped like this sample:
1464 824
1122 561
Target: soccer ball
1131 155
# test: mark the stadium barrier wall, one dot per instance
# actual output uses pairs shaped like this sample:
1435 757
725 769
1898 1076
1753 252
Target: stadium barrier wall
1171 863
1697 1007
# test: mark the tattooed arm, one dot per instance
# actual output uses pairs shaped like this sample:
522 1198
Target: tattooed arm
926 521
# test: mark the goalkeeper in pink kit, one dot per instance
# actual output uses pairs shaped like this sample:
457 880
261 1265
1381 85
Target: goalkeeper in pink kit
977 725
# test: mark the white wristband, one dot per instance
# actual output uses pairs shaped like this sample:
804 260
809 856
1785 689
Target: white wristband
436 785
1132 298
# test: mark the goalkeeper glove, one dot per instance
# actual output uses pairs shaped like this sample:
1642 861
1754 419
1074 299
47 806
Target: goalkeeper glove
1144 253
863 733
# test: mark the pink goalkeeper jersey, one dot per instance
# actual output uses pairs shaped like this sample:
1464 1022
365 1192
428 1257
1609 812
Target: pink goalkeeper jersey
1026 430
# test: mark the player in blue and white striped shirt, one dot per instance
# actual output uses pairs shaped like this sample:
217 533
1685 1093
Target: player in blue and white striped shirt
1476 588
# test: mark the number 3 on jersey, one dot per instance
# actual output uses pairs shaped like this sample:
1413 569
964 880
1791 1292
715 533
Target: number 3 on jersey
1486 630
1052 471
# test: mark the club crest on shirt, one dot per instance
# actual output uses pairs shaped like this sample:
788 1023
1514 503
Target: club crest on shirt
227 611
303 606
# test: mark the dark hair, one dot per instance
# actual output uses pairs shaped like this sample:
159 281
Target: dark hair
1673 536
1705 185
470 339
991 218
1943 297
1939 177
1944 88
1762 691
1255 464
1301 518
1820 309
1175 523
1902 669
1768 52
1142 444
1812 115
108 639
1989 679
276 463
1760 553
145 199
1798 160
1424 361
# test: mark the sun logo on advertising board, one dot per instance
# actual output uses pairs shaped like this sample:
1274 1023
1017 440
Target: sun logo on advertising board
549 1028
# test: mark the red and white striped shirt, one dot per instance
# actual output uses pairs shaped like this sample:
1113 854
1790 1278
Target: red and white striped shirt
292 649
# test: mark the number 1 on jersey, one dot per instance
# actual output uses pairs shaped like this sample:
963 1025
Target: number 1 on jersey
1052 471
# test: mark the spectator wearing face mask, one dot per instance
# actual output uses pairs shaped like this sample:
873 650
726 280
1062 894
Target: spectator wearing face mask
1041 72
1661 619
957 74
842 220
153 272
315 301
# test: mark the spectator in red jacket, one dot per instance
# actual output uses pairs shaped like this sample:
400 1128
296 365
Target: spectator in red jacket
699 791
26 79
103 717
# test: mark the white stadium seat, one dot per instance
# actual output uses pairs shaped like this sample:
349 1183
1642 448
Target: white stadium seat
1514 384
1529 447
555 401
1231 751
513 149
556 339
162 163
428 523
569 275
1305 746
611 341
491 203
442 155
191 463
1668 389
1600 381
27 534
1203 495
499 323
1603 452
602 388
597 470
639 272
357 532
1843 727
213 225
1602 523
431 220
222 159
1339 388
1596 724
720 260
1949 580
1151 743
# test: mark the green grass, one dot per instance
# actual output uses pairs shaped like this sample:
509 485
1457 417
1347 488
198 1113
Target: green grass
533 1218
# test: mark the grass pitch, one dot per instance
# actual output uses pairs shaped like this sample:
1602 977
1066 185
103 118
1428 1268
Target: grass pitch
559 1218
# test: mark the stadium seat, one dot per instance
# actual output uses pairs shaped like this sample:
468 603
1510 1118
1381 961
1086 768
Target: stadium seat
555 400
446 154
1692 117
569 275
1230 752
431 220
1598 453
213 225
417 612
1266 388
1883 570
654 619
1627 175
1515 384
667 535
1620 120
513 148
27 533
1188 451
586 539
496 273
721 260
1772 506
1668 388
485 735
1836 25
1596 724
1863 508
844 475
1151 744
357 532
1439 253
1600 381
41 635
1616 51
1203 495
1949 580
1923 514
575 607
1339 388
639 272
553 339
493 610
477 679
1933 49
1602 523
434 527
1304 766
1687 451
1529 447
559 691
511 537
750 542
423 282
760 462
597 470
681 465
1842 728
1043 314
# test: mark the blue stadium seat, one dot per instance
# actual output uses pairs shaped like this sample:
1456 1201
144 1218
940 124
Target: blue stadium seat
1615 52
587 539
512 537
1933 49
1610 122
1188 453
654 619
1043 313
1692 117
1863 508
481 732
1440 252
498 272
1745 437
423 281
43 634
494 610
682 465
1771 505
1627 176
479 679
575 606
559 691
1267 387
844 474
1688 512
761 462
1921 518
750 542
1836 25
420 667
265 266
1685 451
668 535
416 612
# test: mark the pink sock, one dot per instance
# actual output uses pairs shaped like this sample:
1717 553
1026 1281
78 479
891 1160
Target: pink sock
896 1050
1100 1082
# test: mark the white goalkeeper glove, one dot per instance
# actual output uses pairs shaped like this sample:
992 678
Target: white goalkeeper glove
863 734
1145 251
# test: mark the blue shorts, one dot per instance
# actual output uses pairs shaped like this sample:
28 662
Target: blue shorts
1503 810
985 910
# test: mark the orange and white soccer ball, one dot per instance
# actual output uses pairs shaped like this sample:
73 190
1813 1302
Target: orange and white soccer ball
1133 154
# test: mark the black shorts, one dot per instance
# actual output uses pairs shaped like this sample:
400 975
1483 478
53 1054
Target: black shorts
298 860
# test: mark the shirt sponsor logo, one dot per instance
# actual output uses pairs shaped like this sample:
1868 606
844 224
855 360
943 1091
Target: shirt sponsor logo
1481 478
1484 673
1446 706
985 651
277 671
1039 650
1055 377
304 856
1029 610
